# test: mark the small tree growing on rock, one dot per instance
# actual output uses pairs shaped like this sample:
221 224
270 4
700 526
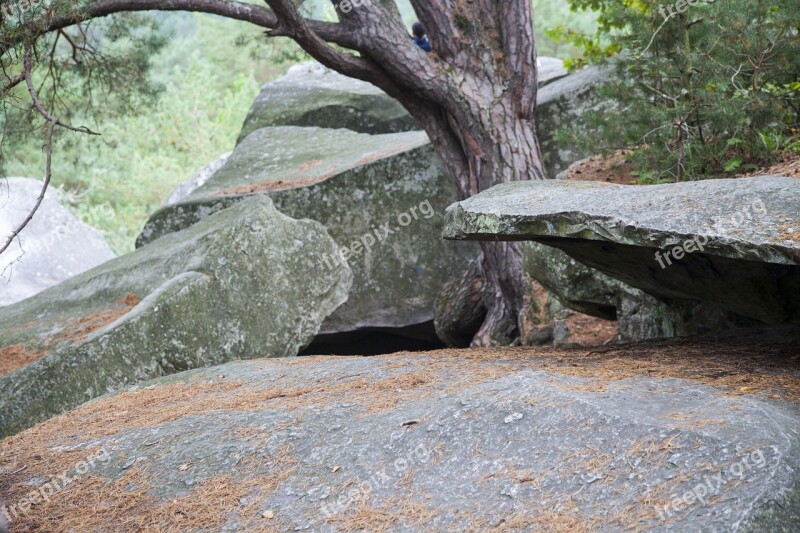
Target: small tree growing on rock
475 94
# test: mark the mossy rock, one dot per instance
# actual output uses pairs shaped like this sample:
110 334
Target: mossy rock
240 284
311 95
354 184
729 243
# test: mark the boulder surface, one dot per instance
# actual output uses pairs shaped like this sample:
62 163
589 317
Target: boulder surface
54 246
242 283
312 95
560 106
381 197
187 187
699 436
731 243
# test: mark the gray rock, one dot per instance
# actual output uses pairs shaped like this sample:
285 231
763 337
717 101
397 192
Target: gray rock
639 315
53 247
187 187
354 184
549 69
312 95
226 288
437 442
733 243
559 105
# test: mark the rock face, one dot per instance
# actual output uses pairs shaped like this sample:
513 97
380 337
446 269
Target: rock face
731 244
549 69
312 95
187 187
560 104
227 288
359 187
53 247
639 315
646 438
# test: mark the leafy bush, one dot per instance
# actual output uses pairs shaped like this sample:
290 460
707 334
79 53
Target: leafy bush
707 91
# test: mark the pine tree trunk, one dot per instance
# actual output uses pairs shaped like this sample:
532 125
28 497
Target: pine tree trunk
486 136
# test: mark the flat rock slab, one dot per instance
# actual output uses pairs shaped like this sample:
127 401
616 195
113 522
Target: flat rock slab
53 247
700 436
227 288
385 191
733 242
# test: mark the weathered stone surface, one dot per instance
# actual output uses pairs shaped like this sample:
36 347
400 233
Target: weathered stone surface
53 247
560 104
744 257
187 187
647 438
357 185
226 288
639 315
312 95
549 69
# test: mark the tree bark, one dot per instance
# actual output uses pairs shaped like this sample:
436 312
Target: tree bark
475 94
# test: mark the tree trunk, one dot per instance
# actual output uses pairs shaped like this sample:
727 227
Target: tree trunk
475 95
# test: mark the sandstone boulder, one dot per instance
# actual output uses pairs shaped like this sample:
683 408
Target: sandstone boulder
658 437
312 95
732 244
381 197
560 106
243 283
54 246
187 187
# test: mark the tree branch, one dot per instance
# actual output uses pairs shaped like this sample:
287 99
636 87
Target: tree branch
253 14
53 122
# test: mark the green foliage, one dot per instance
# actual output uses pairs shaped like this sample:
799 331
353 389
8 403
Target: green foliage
706 92
201 86
562 31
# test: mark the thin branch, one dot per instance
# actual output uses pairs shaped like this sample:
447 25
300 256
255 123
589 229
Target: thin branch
48 175
251 13
53 122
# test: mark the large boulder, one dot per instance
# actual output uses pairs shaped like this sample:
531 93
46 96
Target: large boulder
54 246
693 436
312 95
732 244
243 283
549 69
560 106
359 187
